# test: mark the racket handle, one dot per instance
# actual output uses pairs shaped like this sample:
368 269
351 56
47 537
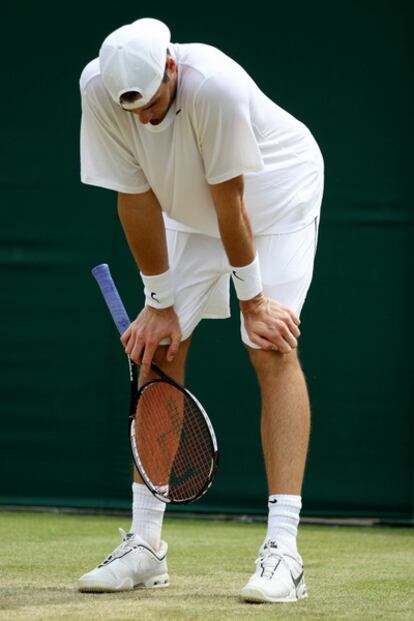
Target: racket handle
103 277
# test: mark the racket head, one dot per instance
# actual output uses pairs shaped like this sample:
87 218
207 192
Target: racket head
172 441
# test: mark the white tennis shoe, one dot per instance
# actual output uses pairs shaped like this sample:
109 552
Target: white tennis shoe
278 577
132 565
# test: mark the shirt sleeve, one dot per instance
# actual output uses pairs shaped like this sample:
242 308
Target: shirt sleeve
106 159
226 137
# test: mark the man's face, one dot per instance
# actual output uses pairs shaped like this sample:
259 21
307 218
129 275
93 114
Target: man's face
155 111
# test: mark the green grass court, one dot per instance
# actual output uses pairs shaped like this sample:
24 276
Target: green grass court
352 573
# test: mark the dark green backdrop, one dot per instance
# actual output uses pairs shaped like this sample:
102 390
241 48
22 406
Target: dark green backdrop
345 70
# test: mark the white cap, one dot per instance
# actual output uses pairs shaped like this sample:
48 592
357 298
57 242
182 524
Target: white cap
132 58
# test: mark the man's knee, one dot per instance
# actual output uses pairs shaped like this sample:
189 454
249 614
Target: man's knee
175 368
162 350
274 361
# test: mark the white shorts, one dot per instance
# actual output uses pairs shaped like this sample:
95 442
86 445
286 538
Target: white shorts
201 274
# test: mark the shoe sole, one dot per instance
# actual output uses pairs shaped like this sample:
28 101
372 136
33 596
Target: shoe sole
255 595
157 582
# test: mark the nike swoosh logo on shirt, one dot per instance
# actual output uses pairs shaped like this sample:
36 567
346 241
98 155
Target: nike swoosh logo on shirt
153 294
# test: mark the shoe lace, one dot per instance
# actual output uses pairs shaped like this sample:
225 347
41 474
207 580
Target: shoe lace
125 546
269 559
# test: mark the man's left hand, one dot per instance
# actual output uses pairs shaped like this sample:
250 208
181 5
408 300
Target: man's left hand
270 324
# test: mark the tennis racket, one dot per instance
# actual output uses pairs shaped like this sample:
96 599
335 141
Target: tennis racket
172 440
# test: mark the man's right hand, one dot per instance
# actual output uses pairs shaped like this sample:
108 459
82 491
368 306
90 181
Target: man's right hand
145 333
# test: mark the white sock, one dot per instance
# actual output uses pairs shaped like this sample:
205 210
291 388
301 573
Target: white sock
283 520
147 515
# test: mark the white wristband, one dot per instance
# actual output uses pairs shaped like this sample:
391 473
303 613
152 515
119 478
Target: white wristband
158 289
247 280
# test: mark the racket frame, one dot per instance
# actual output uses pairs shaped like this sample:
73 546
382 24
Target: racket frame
135 396
118 312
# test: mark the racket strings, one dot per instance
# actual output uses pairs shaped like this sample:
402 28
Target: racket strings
173 441
195 441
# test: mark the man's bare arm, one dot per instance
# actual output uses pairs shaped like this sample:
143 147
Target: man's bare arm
269 324
143 224
233 220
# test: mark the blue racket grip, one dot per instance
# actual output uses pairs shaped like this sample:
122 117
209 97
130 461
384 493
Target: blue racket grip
103 277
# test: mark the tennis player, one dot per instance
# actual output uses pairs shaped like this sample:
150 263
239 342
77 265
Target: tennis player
215 183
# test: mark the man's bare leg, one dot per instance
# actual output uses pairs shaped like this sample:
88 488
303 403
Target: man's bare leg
285 426
127 566
148 511
285 420
175 369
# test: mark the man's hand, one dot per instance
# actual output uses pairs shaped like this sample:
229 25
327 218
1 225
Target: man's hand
269 324
144 334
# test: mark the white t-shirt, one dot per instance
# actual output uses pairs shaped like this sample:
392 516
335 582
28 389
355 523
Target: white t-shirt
219 126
